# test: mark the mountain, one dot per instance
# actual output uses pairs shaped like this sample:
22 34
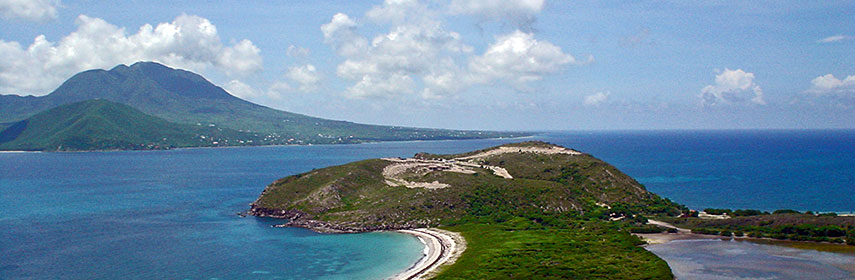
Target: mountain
528 210
105 125
433 190
184 97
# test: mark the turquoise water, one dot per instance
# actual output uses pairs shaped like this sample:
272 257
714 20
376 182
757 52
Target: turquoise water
171 214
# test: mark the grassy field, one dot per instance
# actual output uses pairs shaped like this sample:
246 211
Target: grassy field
526 250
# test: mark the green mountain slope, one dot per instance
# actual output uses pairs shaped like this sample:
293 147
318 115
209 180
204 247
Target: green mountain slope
528 210
105 125
184 97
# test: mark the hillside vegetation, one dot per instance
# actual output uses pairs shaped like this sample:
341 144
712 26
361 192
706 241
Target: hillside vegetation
184 97
528 210
105 125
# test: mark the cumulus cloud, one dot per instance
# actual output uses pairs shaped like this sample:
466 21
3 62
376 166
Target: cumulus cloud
32 10
835 38
519 12
340 32
188 42
520 58
830 85
596 99
419 56
242 90
732 87
305 75
391 64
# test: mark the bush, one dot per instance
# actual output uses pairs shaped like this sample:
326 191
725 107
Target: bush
716 211
830 231
748 212
725 233
738 233
646 229
779 236
786 211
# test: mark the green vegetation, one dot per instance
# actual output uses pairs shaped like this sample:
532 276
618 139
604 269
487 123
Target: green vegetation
735 213
104 125
183 97
784 225
528 250
561 216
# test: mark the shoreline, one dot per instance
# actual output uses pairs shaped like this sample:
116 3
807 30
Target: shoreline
442 248
686 234
265 145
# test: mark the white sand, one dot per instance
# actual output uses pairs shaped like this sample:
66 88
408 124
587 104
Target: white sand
442 248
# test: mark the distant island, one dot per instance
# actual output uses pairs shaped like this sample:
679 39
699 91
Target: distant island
191 111
529 210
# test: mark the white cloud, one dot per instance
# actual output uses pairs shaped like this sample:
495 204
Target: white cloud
418 55
397 11
732 87
381 86
242 90
241 59
32 10
306 75
830 85
340 32
519 12
835 38
297 51
596 99
392 63
188 42
519 58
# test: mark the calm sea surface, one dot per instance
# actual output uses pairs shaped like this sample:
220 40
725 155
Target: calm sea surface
171 214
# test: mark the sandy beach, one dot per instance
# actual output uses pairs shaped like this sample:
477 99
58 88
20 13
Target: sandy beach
442 248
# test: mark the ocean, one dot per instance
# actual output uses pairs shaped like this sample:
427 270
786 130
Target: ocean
173 214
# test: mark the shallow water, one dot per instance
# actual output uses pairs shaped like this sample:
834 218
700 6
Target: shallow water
723 259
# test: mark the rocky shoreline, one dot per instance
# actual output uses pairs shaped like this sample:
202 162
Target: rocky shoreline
295 218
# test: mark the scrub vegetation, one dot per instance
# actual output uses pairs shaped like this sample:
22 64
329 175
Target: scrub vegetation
560 216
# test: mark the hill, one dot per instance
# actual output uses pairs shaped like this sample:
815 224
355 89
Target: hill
185 97
105 125
528 210
436 190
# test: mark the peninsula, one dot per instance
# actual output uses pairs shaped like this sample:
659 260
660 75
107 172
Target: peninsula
530 210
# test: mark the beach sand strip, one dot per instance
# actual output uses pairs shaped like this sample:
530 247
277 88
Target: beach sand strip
442 248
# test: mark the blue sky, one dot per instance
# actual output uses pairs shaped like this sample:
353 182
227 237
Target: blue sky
472 64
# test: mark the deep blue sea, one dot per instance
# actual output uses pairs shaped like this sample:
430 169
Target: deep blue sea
172 214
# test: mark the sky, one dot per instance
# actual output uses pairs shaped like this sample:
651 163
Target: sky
469 64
